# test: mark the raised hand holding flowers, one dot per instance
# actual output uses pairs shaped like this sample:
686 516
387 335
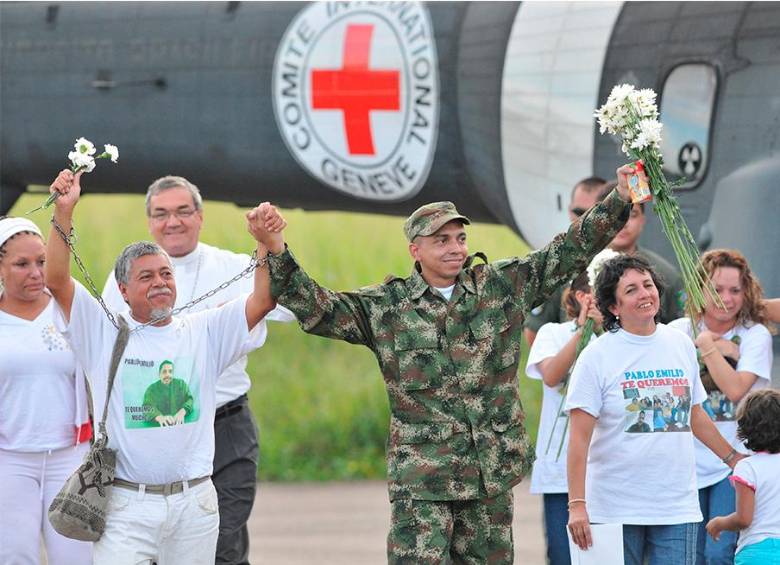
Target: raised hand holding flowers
82 159
632 115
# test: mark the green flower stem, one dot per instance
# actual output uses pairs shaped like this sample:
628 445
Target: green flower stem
54 195
587 333
676 230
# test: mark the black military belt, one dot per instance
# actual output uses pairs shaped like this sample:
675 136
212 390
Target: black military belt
165 490
230 408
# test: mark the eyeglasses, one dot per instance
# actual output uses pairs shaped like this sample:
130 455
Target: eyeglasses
578 211
181 213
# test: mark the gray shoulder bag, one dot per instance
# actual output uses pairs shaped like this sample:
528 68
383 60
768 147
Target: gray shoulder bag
79 509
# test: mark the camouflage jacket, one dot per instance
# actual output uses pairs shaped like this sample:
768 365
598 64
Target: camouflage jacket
450 368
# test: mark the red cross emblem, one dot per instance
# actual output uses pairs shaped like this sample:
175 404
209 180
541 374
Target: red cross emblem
356 90
356 96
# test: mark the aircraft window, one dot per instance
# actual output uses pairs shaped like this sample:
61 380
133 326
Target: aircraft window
687 101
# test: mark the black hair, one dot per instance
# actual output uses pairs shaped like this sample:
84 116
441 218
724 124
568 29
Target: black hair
607 282
569 300
588 184
758 420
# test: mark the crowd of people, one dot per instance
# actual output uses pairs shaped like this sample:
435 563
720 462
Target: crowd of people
663 424
641 380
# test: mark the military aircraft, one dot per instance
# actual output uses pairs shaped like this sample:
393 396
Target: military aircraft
382 106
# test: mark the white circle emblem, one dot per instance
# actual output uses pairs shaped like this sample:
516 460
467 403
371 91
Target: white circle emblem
356 96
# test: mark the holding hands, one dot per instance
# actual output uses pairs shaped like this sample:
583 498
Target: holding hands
266 223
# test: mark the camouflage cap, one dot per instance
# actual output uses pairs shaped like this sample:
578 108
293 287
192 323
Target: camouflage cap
427 219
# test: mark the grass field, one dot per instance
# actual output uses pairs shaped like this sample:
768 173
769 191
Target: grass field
320 404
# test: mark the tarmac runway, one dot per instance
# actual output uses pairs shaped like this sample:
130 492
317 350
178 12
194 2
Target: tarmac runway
346 523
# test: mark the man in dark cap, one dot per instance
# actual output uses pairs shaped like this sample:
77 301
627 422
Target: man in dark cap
447 340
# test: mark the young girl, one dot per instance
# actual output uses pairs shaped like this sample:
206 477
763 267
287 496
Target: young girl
757 482
550 359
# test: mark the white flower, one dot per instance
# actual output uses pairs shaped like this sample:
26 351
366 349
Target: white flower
89 166
619 94
81 161
597 263
84 146
644 102
649 135
112 151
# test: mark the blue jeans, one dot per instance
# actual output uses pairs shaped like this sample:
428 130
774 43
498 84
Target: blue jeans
765 552
556 516
716 500
660 545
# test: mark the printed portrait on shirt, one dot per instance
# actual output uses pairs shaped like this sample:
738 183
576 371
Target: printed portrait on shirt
160 394
656 401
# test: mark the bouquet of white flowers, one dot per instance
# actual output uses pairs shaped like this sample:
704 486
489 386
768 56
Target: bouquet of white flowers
83 159
632 115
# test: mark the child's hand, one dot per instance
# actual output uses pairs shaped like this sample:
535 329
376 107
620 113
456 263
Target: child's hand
715 527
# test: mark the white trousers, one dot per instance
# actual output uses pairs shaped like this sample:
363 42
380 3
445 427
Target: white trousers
28 484
169 530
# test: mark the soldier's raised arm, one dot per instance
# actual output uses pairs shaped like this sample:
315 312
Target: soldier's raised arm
320 311
538 275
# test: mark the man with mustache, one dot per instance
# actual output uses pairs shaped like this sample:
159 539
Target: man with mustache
175 216
168 400
447 340
163 505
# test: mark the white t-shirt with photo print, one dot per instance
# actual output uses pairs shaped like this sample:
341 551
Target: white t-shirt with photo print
761 474
641 468
755 356
549 471
190 352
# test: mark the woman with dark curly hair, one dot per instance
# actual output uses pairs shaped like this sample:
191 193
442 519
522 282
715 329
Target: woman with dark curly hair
643 477
734 346
757 483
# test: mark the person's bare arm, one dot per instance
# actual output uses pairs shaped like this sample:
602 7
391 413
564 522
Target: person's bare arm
58 279
734 384
773 309
530 336
554 369
706 432
736 521
581 431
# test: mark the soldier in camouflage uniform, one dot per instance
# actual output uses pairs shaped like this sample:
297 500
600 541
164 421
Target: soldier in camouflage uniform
457 440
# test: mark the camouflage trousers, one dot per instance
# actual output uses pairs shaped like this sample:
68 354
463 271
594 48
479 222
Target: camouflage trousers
424 532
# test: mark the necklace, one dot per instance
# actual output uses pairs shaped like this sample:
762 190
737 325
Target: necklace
197 274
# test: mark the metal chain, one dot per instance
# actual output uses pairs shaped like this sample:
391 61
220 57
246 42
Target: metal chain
69 240
254 263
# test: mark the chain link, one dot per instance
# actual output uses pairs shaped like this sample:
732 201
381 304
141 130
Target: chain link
254 263
69 240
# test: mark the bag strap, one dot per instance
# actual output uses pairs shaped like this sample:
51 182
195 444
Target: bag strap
116 355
